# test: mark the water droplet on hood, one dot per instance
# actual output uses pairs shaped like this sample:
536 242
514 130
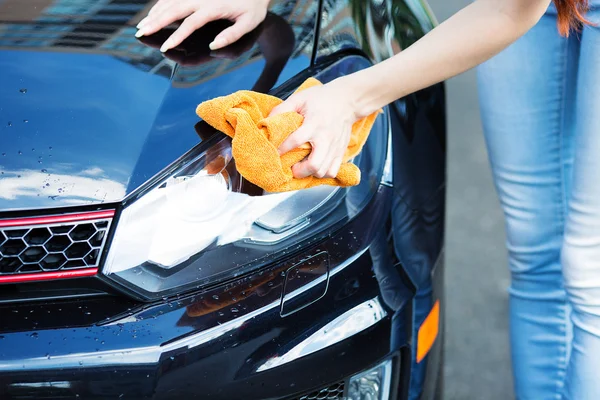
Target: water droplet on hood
9 123
23 90
34 335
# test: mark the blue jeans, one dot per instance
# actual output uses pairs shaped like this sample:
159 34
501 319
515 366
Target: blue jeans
540 105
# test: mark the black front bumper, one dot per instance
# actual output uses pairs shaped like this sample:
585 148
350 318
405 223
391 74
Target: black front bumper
229 342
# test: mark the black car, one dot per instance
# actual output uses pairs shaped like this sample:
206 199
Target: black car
135 261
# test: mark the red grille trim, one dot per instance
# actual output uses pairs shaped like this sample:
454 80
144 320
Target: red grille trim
56 219
44 276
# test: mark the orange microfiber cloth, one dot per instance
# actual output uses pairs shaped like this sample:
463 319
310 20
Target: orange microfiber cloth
256 137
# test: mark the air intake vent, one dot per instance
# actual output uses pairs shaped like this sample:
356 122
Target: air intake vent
52 247
331 392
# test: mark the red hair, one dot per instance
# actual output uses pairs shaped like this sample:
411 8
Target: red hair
571 15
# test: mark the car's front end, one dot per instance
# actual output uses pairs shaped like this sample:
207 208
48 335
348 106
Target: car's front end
135 261
308 321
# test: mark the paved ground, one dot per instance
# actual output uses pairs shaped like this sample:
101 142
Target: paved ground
477 353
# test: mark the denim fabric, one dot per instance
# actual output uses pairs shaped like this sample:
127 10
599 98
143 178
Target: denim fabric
540 105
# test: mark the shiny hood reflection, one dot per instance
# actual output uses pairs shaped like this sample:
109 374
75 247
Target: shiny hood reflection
107 99
84 187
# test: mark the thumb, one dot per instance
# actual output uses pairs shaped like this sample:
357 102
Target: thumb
231 34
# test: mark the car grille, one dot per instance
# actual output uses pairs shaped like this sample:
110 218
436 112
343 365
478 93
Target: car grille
331 392
30 246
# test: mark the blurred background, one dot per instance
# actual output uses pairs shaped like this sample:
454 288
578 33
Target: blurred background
477 347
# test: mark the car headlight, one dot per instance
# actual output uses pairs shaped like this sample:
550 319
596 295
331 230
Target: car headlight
373 384
196 226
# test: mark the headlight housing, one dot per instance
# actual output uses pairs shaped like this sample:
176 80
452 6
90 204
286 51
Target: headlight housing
373 384
195 226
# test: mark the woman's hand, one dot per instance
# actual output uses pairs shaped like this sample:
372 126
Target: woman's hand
329 112
246 15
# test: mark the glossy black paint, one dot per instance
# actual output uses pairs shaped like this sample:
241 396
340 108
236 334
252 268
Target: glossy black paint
95 355
108 139
88 126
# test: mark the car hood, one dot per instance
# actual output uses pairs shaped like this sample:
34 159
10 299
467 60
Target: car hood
84 126
73 127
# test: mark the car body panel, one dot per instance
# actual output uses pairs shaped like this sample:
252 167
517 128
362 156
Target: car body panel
90 125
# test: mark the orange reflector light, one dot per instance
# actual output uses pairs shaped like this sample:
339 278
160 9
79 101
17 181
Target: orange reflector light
428 332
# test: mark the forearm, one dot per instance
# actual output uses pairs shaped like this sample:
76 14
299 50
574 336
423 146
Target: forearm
470 37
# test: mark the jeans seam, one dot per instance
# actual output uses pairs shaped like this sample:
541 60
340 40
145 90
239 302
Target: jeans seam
563 362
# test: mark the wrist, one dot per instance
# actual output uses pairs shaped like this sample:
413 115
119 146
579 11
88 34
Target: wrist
360 93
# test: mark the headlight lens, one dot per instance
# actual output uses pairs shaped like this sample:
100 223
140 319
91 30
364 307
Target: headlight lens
373 384
197 226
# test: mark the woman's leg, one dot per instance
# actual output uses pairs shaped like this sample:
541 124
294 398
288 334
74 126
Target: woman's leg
581 247
524 92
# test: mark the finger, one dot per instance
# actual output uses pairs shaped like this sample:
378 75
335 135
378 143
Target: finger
321 172
293 103
187 27
313 165
334 168
142 22
157 6
163 6
325 165
160 7
176 12
232 34
296 139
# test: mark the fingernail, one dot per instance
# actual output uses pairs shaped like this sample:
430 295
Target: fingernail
216 44
141 23
166 46
139 33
